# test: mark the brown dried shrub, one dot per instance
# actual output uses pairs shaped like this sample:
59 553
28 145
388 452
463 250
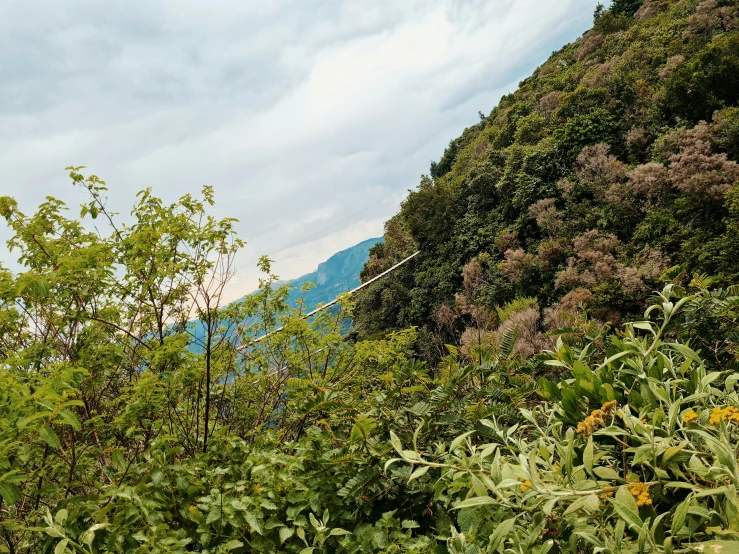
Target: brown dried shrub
548 218
517 264
472 276
474 337
650 8
696 170
598 75
710 17
549 254
637 140
575 298
549 102
445 317
593 253
565 187
646 181
529 339
670 66
597 169
482 317
506 240
674 141
570 277
589 44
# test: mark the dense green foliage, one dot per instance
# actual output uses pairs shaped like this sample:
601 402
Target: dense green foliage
121 430
616 160
139 414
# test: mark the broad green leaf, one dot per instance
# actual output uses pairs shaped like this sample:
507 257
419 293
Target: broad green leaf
418 473
459 440
476 501
49 436
10 493
501 532
285 533
68 417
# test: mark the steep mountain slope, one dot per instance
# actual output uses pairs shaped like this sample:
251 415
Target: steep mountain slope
614 162
337 275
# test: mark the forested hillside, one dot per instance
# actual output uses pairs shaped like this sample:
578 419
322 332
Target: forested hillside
570 384
611 164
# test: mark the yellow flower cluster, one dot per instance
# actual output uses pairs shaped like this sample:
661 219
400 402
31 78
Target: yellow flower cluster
597 418
525 485
640 491
729 413
690 416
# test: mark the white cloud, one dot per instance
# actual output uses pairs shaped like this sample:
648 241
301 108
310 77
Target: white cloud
298 112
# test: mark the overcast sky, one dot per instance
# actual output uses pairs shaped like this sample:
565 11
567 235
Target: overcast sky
311 118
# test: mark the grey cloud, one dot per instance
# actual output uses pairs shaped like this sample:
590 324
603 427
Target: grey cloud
296 111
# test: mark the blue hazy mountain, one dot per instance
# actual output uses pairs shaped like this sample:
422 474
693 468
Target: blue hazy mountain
337 275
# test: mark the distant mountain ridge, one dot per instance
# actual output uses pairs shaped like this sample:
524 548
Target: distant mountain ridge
335 276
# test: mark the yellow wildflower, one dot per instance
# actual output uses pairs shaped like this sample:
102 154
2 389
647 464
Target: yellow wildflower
729 413
690 416
597 418
256 489
606 495
640 491
525 485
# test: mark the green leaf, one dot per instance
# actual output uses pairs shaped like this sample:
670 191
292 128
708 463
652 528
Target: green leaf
89 535
681 512
233 545
285 533
629 516
624 496
500 533
397 445
254 523
588 456
590 503
49 436
68 417
626 506
590 538
418 473
391 462
476 501
61 547
315 523
10 493
606 473
459 440
61 516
